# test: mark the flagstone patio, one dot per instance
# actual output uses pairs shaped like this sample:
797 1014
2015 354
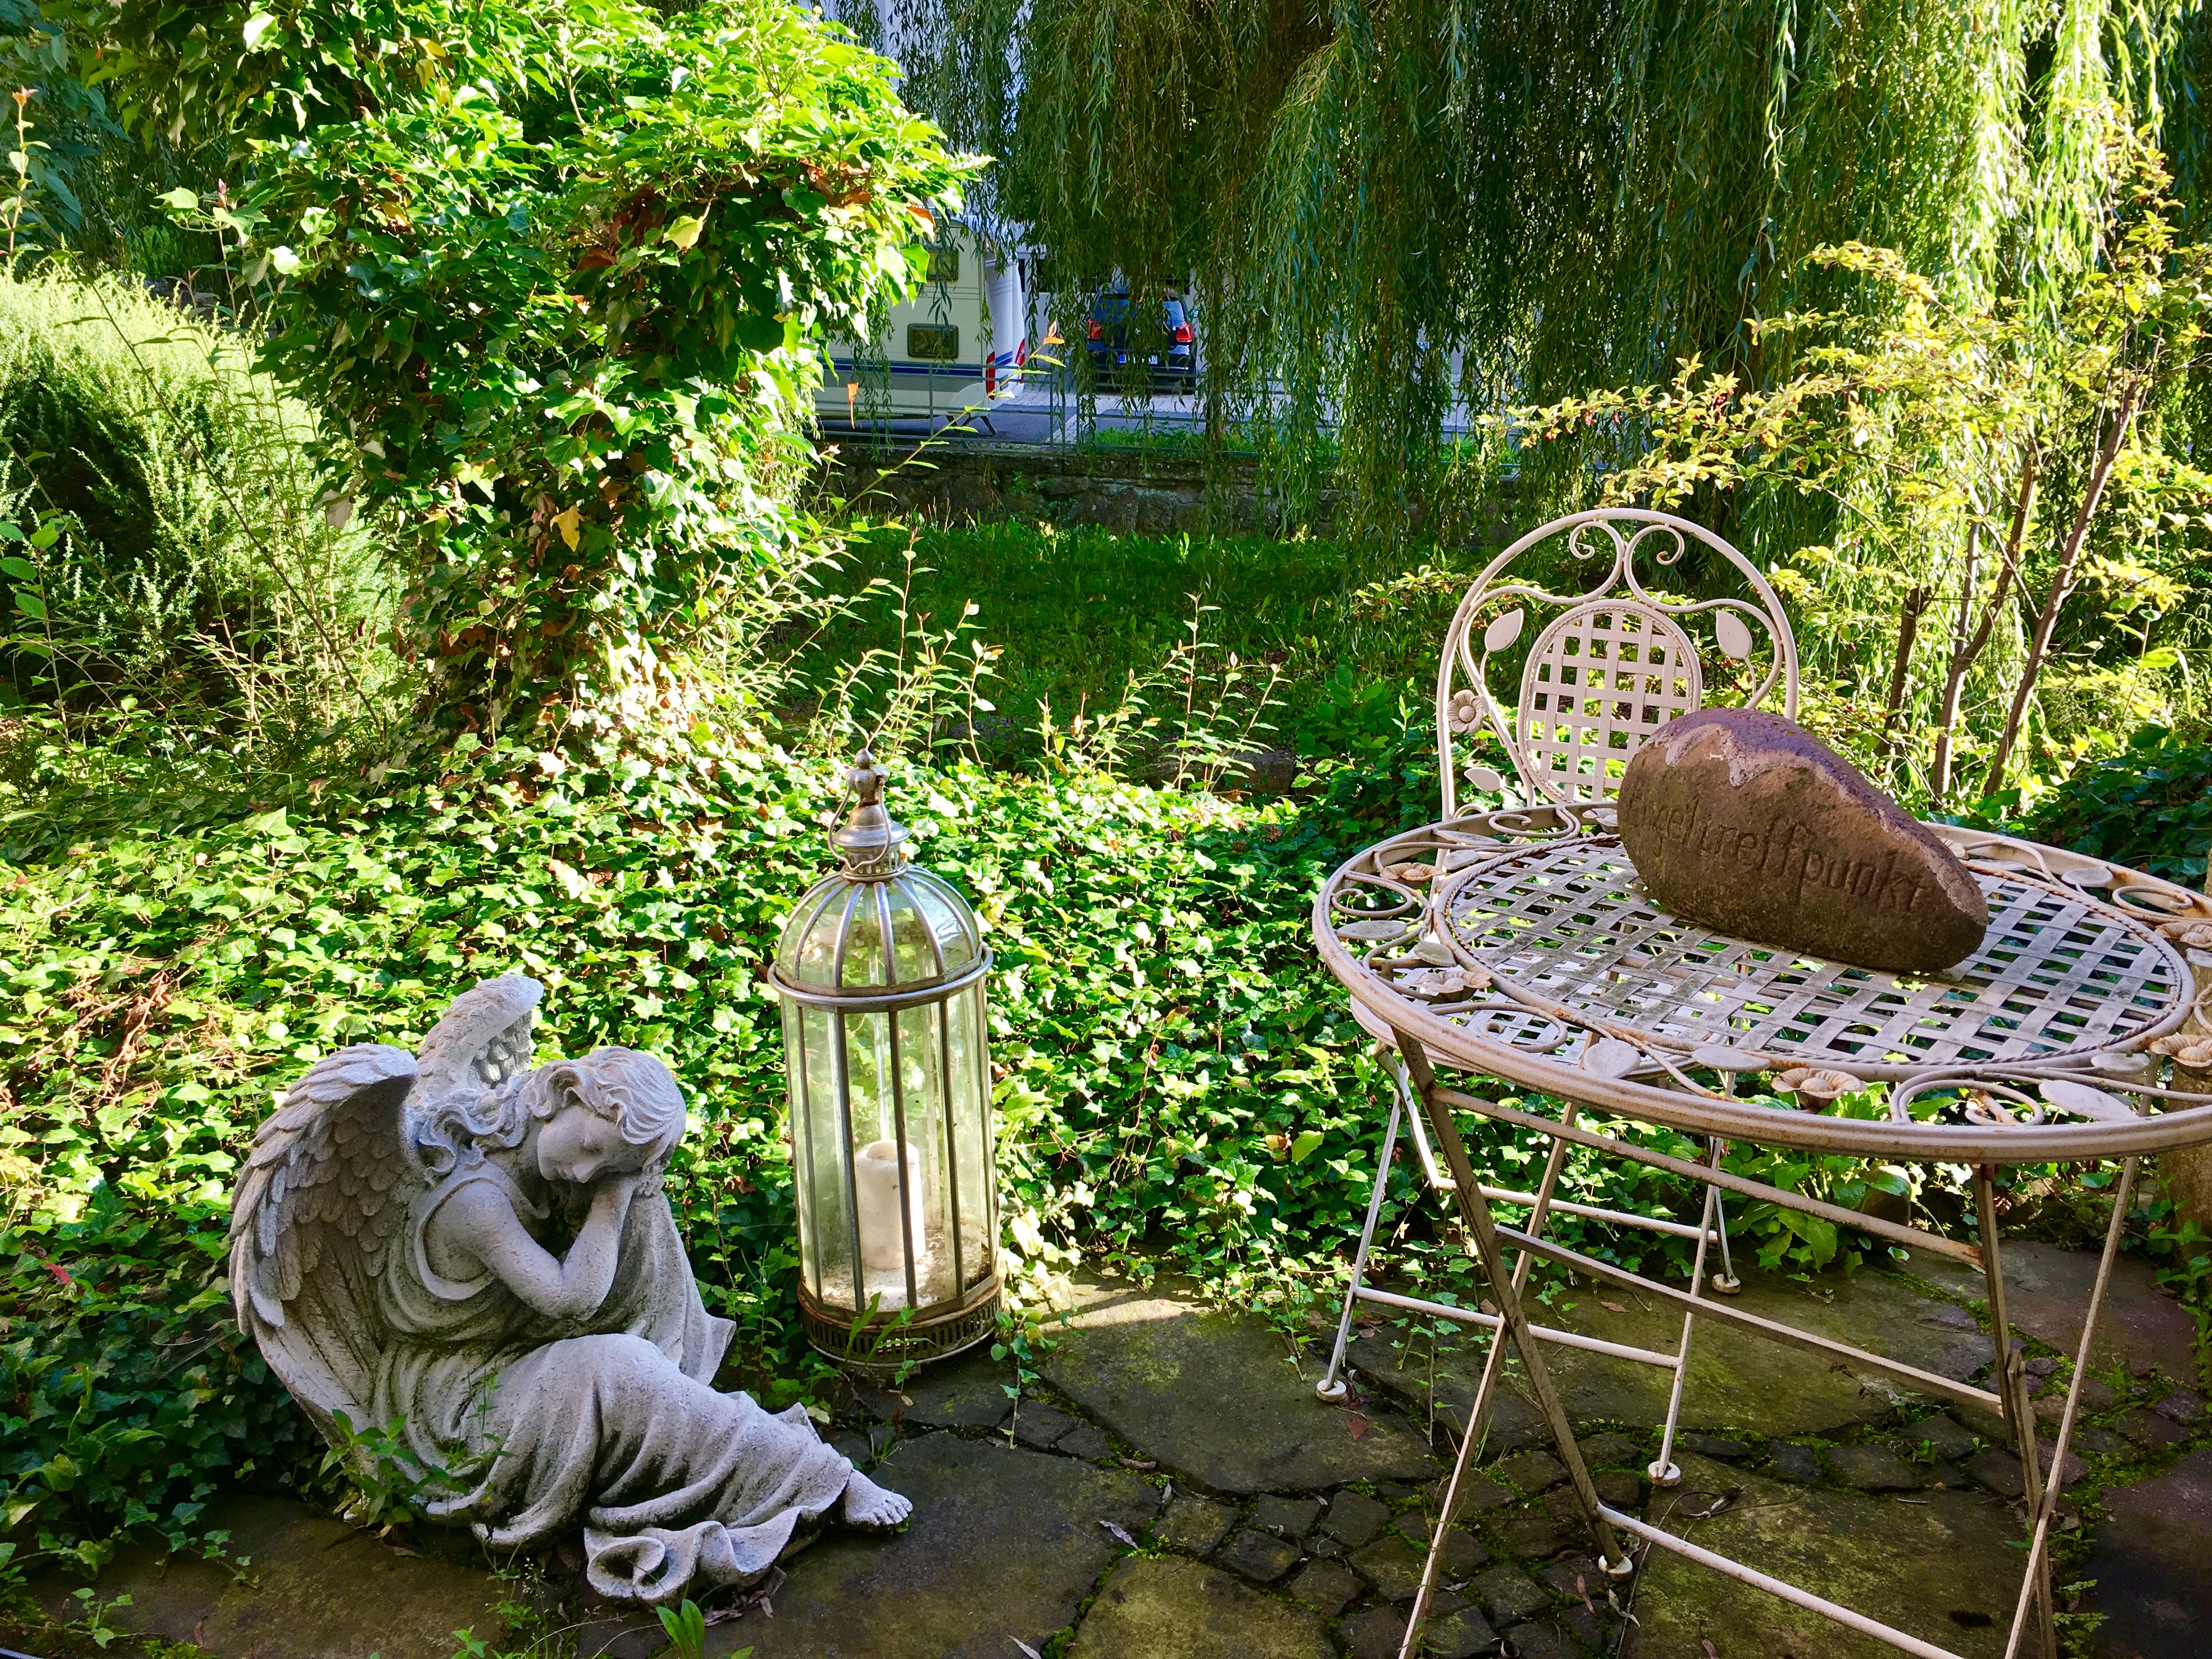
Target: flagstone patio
1171 1489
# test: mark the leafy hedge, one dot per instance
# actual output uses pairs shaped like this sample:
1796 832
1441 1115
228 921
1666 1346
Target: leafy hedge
1174 1073
2149 808
1161 1041
193 559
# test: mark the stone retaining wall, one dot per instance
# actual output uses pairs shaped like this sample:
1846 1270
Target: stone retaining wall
1145 494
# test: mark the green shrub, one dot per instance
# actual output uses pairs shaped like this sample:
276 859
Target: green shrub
2149 808
195 564
1175 1075
556 274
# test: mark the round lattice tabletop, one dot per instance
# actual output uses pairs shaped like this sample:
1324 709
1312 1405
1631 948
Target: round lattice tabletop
1520 945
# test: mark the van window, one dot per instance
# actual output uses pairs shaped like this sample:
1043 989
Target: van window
933 343
944 264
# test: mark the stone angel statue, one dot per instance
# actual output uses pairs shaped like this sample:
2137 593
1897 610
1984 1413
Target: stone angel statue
483 1253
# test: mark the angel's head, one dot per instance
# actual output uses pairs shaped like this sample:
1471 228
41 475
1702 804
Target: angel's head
614 1110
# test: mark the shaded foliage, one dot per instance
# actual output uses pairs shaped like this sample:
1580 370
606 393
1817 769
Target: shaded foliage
554 275
2148 807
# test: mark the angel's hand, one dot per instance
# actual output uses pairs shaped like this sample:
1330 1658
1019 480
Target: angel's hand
616 1189
480 1221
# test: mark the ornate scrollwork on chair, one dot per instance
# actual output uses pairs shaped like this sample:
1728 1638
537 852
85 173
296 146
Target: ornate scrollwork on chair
1609 665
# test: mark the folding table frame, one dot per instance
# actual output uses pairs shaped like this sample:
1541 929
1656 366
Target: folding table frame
1532 957
1519 944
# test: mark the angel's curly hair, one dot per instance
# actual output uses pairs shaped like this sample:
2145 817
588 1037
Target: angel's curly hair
634 1092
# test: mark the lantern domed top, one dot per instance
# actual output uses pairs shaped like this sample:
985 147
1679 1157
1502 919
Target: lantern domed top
879 927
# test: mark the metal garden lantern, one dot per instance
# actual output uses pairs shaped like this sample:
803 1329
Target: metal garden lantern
881 971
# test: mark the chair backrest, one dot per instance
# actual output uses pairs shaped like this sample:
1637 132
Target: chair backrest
1608 666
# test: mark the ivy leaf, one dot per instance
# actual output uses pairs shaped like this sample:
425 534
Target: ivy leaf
1303 1147
684 231
566 523
257 26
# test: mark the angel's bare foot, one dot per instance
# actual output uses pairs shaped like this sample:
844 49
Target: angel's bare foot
867 1505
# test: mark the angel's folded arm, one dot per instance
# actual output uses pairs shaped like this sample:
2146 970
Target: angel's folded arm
479 1220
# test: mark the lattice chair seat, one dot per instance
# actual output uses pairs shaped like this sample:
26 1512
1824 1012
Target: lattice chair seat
1613 664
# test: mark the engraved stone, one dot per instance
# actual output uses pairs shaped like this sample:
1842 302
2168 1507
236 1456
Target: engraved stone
1749 823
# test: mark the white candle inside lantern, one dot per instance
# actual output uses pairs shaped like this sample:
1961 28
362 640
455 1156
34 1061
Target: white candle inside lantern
876 1190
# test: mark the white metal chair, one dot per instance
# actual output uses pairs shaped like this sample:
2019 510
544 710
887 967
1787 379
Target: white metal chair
1608 666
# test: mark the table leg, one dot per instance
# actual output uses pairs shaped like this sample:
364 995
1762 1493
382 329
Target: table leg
2008 1381
1727 1284
2037 1583
1474 1211
1478 1415
1331 1386
1664 1473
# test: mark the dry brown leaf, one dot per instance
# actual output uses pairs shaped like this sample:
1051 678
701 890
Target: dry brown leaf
1357 1424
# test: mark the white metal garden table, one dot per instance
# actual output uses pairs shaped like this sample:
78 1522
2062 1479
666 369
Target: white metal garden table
1518 944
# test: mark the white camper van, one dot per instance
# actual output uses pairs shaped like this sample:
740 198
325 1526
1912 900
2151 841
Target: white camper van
961 340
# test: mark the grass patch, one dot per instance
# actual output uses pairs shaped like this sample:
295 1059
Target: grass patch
1075 613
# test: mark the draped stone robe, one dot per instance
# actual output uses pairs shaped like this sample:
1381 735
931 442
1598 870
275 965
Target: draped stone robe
526 1423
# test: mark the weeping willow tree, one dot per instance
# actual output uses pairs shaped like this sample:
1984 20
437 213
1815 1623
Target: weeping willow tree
1389 210
1398 215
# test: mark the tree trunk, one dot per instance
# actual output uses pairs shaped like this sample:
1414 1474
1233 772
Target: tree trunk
2062 584
1967 648
1908 628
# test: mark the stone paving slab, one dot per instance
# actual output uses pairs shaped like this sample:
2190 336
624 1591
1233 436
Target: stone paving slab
1004 1545
1736 1380
1934 1567
1216 1397
2047 1292
2152 1564
1177 1609
967 1391
1008 1544
316 1589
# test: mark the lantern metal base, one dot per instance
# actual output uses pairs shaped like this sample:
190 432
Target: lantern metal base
877 1349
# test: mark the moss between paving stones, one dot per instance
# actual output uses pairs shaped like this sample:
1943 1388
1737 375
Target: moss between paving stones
317 1589
1911 1565
1216 1397
1736 1380
1194 1524
1171 1609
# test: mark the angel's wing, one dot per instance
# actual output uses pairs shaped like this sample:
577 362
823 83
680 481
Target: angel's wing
484 1038
329 1182
313 1219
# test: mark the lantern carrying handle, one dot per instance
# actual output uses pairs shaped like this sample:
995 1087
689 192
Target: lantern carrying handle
872 841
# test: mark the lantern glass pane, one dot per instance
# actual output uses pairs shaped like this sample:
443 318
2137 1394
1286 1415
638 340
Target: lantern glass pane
807 953
970 1110
895 1228
795 1075
947 916
864 944
825 1213
921 1080
916 953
